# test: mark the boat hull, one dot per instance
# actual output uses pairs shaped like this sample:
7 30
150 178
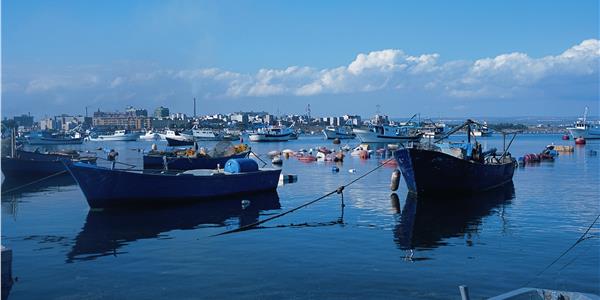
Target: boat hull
589 134
179 142
188 163
105 188
433 172
331 134
367 136
124 138
270 137
32 164
50 141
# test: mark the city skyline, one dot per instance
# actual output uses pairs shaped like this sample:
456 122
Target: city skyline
65 56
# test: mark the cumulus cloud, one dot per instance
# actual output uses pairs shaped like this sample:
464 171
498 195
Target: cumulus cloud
392 70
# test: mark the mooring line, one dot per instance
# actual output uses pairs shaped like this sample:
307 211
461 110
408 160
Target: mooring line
581 238
339 190
34 182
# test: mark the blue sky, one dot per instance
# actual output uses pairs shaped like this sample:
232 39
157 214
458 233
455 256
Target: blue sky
440 58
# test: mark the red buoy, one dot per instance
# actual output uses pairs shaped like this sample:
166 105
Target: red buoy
580 141
566 137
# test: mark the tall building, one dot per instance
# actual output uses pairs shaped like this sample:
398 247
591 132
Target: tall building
161 112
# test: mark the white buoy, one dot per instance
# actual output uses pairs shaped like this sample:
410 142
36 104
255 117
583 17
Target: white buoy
154 147
352 170
277 160
245 204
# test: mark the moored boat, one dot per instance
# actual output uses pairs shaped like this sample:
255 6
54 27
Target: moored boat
584 128
388 134
118 135
459 168
175 138
481 130
35 164
206 135
150 135
52 139
342 132
273 134
104 187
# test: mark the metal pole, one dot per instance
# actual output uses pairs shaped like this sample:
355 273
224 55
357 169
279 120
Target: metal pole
13 138
464 292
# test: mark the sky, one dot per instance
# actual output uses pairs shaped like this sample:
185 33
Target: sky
437 58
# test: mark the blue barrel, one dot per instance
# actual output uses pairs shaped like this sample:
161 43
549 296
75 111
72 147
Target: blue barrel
241 165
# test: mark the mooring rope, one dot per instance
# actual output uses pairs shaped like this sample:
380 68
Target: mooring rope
581 238
34 182
339 190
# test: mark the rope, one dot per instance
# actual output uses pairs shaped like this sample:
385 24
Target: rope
339 190
34 182
581 238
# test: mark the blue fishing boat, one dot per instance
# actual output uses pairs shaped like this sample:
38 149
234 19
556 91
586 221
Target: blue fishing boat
457 168
105 187
157 161
27 164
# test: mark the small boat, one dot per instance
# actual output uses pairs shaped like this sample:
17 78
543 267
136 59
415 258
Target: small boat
175 138
481 130
432 129
36 164
273 134
206 135
52 139
307 158
105 187
118 135
458 168
388 134
150 136
342 132
584 128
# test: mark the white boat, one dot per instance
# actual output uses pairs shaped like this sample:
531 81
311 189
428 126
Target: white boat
432 129
206 135
481 130
584 128
342 132
272 134
387 134
150 136
118 135
44 138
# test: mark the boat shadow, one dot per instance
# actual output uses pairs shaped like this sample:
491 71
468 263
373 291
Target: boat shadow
426 222
105 232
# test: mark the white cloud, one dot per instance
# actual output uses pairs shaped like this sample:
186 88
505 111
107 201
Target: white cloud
504 76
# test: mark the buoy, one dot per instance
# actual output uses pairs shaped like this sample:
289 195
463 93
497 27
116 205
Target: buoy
352 170
335 169
288 178
277 161
395 201
245 204
565 137
273 153
336 141
395 180
363 154
580 141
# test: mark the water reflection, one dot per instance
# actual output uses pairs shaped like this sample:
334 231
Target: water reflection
104 232
14 189
425 222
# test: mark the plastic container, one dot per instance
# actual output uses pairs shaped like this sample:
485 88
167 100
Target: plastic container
240 165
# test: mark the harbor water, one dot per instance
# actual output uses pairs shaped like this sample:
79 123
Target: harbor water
379 246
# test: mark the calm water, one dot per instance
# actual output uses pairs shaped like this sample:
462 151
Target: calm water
387 246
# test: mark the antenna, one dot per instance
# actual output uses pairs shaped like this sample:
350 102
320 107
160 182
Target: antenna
194 107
